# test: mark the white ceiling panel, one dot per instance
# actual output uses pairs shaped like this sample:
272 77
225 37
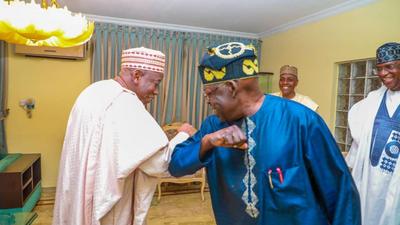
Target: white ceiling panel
252 16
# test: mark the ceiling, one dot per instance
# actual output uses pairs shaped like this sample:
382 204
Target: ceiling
252 18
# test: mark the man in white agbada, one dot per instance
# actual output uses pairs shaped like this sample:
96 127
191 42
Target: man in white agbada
288 80
114 149
374 155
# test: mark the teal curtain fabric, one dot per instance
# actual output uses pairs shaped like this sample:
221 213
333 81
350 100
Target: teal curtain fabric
3 110
180 98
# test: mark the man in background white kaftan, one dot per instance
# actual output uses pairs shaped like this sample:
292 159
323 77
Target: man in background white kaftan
374 155
288 80
114 149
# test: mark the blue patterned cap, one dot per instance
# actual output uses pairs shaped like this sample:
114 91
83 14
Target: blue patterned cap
388 52
229 61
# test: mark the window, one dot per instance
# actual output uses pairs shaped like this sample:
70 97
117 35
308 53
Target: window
355 81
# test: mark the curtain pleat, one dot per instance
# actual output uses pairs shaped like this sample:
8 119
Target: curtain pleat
180 95
3 97
112 50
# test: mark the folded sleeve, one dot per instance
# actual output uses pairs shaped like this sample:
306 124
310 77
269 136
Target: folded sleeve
157 165
355 122
134 134
185 159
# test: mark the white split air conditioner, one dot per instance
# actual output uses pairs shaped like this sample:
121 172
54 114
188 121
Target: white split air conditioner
77 52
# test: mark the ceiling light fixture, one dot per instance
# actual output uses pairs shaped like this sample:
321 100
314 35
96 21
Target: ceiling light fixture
42 25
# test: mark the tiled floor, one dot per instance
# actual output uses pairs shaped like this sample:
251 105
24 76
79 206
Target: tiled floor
173 209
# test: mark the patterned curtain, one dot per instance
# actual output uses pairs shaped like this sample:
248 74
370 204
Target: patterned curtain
180 96
3 91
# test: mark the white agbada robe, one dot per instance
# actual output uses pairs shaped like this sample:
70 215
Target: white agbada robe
113 151
371 187
305 100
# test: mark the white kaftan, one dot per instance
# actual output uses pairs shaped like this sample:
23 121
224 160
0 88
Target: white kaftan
305 100
109 136
379 193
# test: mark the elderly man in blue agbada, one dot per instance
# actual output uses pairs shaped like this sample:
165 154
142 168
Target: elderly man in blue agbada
374 154
269 160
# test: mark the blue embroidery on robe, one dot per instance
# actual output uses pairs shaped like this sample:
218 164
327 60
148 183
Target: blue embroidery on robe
385 147
391 154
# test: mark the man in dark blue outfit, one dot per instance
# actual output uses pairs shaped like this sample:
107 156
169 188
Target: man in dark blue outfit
269 161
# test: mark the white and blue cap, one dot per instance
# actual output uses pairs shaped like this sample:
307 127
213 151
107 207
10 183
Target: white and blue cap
388 52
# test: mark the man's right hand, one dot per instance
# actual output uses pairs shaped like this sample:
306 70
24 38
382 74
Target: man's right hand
230 137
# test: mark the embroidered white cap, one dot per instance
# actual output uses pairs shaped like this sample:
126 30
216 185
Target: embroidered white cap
143 58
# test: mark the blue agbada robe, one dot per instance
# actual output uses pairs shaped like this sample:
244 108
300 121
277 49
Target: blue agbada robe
313 186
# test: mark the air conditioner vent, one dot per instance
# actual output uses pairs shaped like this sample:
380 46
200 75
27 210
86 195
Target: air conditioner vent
77 52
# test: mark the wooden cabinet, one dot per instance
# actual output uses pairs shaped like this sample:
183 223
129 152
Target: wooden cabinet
19 180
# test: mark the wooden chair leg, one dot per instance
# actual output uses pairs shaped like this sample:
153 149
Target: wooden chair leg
203 184
159 191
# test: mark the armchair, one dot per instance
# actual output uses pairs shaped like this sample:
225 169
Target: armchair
200 176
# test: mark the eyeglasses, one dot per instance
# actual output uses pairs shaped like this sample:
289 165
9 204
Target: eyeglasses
388 68
211 89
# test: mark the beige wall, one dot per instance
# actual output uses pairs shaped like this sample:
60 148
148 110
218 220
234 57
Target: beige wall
315 48
54 84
